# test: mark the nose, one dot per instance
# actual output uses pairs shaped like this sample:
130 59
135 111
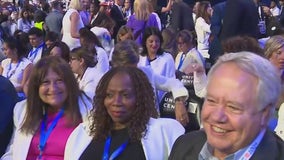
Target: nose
53 86
117 100
219 114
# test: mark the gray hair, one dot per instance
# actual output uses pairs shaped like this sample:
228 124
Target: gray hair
125 53
269 84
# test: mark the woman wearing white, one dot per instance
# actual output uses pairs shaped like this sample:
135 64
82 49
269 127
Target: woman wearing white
82 63
89 40
152 55
71 24
53 109
16 67
202 27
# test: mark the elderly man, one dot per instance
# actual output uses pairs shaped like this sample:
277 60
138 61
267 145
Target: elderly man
242 91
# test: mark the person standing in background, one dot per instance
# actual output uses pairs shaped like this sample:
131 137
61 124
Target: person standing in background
53 21
245 21
72 23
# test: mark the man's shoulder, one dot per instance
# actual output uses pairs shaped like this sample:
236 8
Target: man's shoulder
188 146
271 144
193 138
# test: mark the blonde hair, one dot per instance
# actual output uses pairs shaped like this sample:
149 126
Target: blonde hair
75 4
273 44
123 30
142 9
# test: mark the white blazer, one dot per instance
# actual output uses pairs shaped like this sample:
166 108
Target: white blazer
157 143
90 80
20 142
164 83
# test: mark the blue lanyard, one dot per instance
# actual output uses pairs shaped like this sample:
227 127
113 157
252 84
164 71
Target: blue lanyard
9 75
32 54
251 149
44 134
116 153
181 60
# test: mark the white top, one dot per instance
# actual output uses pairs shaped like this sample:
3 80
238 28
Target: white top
104 37
275 11
280 124
89 81
163 65
16 72
203 32
103 62
164 84
158 20
20 142
66 28
157 144
191 54
35 54
24 26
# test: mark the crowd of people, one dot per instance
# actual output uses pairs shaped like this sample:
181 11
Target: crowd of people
141 79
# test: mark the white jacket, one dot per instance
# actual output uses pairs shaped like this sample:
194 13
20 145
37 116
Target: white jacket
157 144
90 80
20 142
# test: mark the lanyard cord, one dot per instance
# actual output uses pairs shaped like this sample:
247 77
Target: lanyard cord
32 54
116 153
44 134
9 75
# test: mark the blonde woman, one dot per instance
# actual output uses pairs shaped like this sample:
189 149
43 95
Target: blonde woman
142 18
71 24
274 52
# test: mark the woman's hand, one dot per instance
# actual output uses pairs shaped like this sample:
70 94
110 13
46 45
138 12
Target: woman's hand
196 67
181 112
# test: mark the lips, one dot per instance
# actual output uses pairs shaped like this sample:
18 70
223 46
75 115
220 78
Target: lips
117 113
218 130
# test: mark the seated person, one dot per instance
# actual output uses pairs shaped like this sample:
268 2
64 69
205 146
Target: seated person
124 124
242 91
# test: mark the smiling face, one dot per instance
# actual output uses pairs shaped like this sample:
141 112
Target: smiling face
153 44
52 90
277 58
230 114
120 100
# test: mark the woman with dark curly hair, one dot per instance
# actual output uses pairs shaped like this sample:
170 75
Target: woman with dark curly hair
124 123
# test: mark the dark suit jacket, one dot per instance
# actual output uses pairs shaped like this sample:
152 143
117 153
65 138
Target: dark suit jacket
181 17
188 147
215 48
281 18
241 18
8 99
